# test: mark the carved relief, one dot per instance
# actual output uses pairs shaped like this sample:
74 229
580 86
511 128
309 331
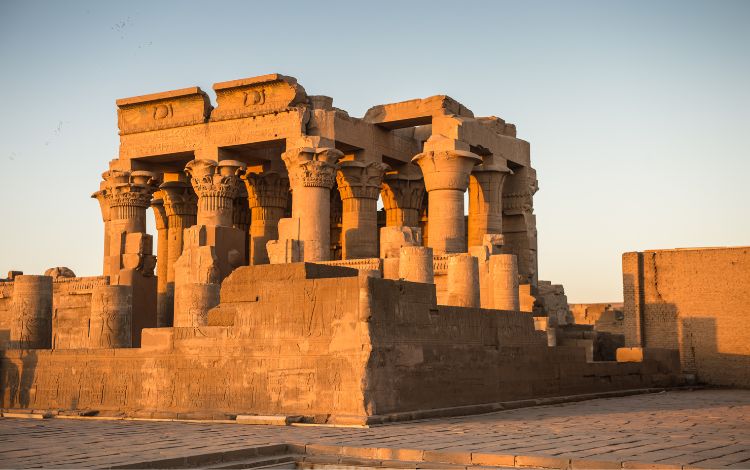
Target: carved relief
259 95
162 110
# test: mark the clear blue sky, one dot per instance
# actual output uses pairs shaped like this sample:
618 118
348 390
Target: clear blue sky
638 113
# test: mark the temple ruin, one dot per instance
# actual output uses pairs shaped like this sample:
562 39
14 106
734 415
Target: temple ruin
280 287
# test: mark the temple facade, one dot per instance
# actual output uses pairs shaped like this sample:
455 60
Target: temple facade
275 175
280 286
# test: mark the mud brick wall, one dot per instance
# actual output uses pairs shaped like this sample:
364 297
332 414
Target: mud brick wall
694 300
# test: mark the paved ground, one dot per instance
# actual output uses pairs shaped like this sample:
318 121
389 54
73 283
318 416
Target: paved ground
707 428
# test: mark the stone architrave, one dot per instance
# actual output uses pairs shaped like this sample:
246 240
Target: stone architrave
31 309
181 207
403 193
446 177
312 174
268 197
111 317
485 199
359 185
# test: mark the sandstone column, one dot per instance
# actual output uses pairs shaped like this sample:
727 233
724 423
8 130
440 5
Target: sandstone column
446 177
359 186
162 246
463 281
268 196
486 200
312 174
216 185
241 218
415 264
504 278
130 260
213 247
181 207
111 317
31 310
403 193
103 198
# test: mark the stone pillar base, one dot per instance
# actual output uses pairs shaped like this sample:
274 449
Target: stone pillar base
415 264
463 281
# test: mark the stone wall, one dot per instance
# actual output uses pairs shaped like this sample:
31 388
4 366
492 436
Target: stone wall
694 300
71 309
325 342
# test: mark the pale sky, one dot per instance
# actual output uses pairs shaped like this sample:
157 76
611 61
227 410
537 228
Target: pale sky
638 113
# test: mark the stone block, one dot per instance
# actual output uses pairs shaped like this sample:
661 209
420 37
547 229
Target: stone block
392 238
157 339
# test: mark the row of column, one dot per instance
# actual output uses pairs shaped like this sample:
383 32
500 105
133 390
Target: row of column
212 193
444 175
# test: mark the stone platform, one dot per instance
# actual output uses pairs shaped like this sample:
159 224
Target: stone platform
328 343
697 429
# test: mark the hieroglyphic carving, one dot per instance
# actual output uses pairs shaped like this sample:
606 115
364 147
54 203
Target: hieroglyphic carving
162 110
259 95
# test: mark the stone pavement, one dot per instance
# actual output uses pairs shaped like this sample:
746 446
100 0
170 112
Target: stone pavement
703 429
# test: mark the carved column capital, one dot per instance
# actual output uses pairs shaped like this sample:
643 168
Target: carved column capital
360 179
179 198
310 167
127 191
217 186
267 189
215 179
403 190
101 197
447 169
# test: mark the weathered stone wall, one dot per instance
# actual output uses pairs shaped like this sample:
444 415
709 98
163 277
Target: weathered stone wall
321 341
427 356
694 300
71 310
290 351
607 317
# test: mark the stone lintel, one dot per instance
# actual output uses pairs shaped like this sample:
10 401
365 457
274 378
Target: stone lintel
164 95
164 110
256 95
268 78
414 112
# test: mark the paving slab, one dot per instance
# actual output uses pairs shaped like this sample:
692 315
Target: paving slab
672 429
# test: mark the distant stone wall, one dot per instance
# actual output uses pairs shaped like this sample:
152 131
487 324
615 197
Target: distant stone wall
608 317
694 300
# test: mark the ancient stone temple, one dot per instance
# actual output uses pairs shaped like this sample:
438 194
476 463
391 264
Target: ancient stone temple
308 263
